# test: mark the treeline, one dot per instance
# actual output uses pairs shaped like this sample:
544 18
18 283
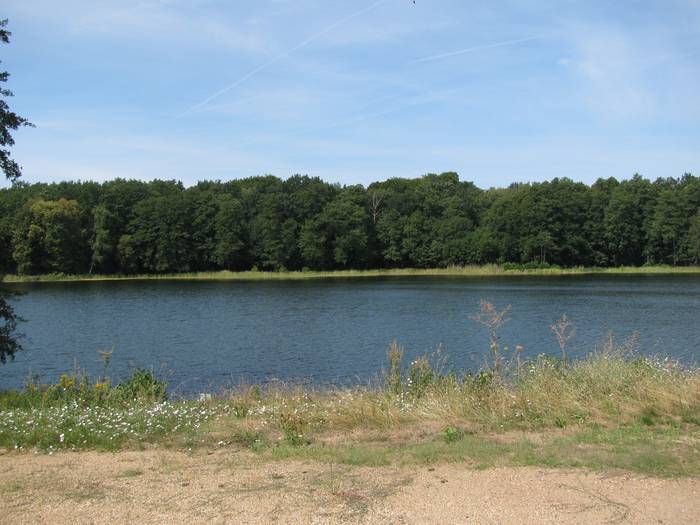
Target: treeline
130 226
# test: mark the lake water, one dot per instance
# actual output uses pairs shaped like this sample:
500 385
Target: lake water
208 335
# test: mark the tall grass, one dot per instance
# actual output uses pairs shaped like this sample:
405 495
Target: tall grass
605 390
451 271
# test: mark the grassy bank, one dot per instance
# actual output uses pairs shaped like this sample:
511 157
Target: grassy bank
453 271
605 411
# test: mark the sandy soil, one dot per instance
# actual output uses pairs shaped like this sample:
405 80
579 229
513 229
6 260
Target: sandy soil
159 486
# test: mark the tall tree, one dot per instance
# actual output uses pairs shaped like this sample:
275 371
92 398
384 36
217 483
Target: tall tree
229 250
9 121
694 239
626 219
50 238
159 236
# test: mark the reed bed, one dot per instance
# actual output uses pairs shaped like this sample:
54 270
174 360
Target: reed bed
488 270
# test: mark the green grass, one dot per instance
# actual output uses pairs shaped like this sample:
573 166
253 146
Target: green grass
453 271
647 451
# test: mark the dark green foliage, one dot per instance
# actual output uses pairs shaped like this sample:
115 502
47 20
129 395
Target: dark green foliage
627 218
251 439
543 223
49 238
694 238
337 237
672 234
142 386
159 237
9 345
452 434
266 223
229 250
9 121
295 428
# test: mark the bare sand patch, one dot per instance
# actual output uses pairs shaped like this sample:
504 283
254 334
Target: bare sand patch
160 486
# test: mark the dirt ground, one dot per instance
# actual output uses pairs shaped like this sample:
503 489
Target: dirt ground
160 486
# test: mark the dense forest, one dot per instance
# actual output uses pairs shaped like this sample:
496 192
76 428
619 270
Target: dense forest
265 223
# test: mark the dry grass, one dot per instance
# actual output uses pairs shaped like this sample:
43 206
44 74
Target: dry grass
604 389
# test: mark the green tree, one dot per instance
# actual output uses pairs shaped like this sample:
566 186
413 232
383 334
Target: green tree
159 236
229 250
265 222
203 203
694 239
111 216
337 238
626 221
9 343
9 121
104 249
424 222
50 239
264 202
389 230
312 244
594 226
667 225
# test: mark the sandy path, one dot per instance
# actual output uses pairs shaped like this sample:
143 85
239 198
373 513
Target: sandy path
160 486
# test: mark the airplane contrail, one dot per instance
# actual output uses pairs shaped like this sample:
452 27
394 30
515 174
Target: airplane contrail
476 48
279 57
419 99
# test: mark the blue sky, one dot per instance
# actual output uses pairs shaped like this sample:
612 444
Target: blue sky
355 91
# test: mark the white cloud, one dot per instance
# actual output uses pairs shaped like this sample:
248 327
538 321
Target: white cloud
163 22
610 65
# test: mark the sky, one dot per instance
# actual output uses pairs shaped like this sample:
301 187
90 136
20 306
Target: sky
355 91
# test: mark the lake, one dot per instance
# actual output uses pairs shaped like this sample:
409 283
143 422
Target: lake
205 335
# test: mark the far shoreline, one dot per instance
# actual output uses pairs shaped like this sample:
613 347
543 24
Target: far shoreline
489 270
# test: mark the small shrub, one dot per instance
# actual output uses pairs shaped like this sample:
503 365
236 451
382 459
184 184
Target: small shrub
142 385
294 428
481 381
66 382
251 439
648 417
530 265
451 434
241 409
255 393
